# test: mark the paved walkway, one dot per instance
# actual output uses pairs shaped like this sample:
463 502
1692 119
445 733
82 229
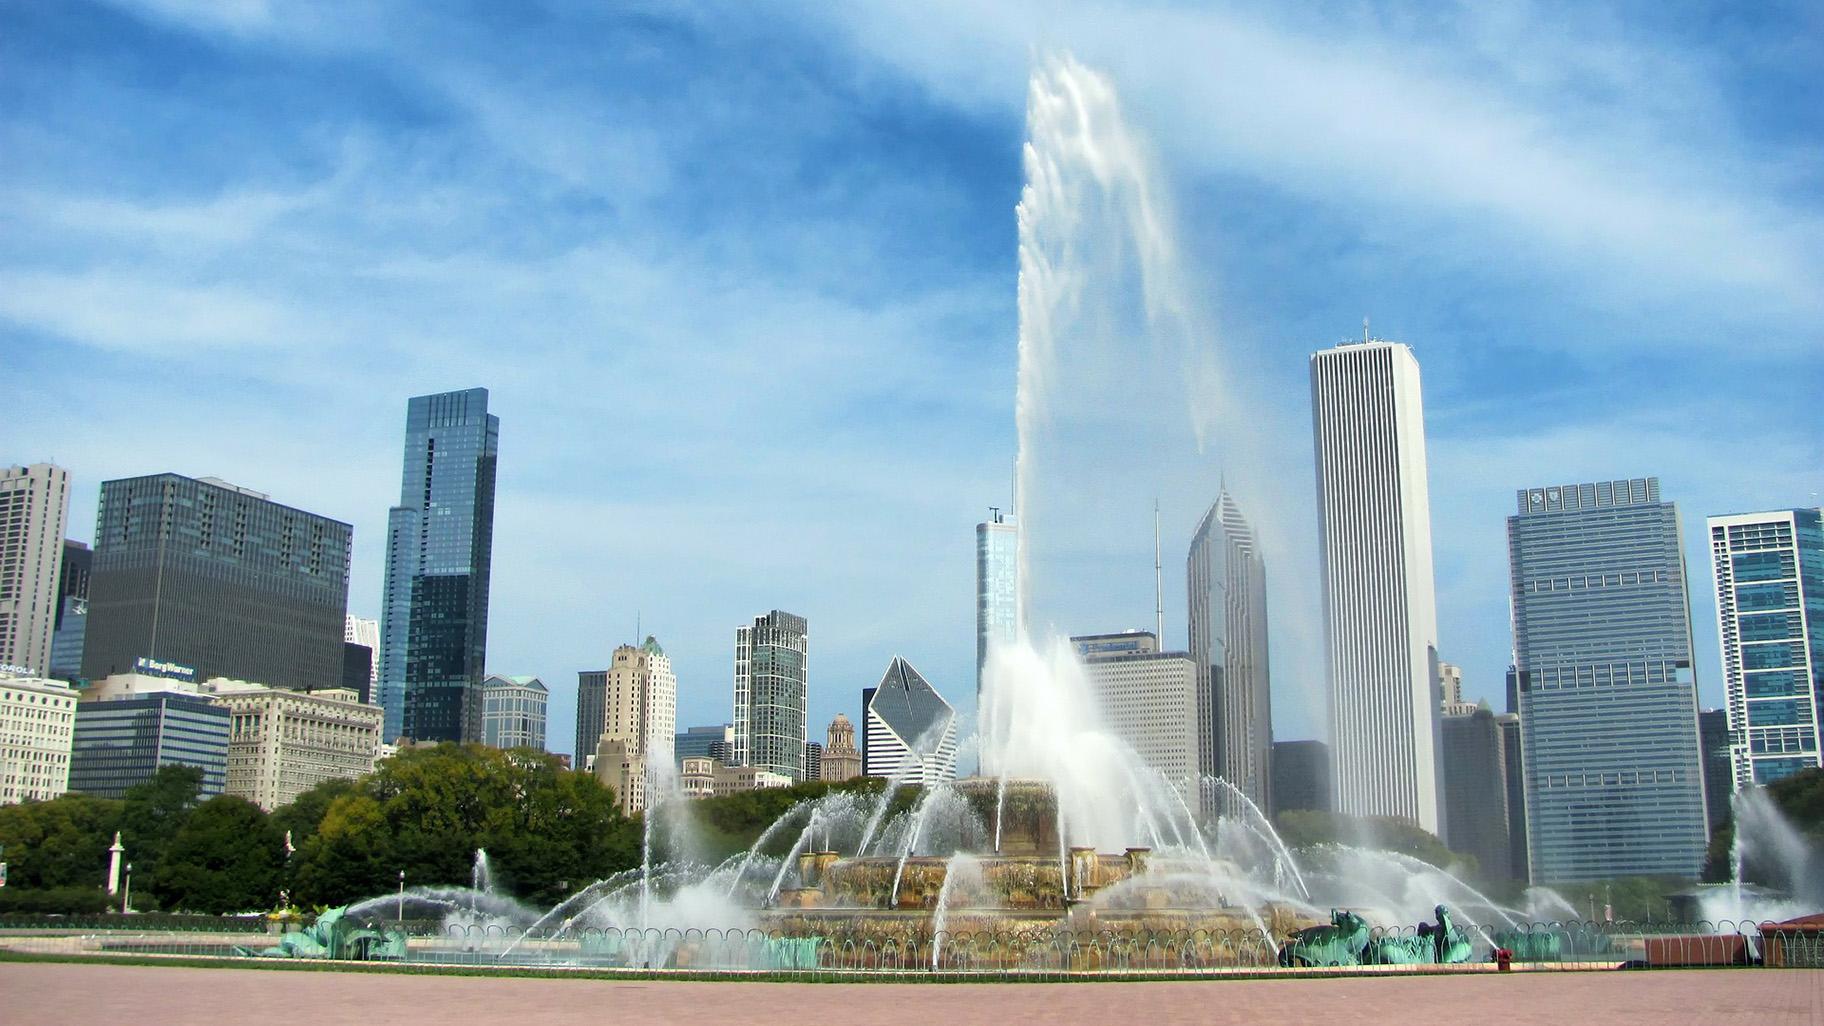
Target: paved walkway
155 995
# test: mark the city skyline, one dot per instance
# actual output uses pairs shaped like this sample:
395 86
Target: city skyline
179 280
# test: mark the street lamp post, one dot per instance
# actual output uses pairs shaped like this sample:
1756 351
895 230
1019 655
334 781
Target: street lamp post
401 893
126 893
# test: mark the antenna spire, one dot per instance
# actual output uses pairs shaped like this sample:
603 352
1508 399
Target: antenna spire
1158 586
1365 328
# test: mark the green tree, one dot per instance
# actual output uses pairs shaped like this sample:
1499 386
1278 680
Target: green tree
1303 828
226 857
154 810
548 830
304 815
60 843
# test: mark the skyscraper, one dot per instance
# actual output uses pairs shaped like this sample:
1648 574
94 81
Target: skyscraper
439 554
218 578
841 759
639 720
910 731
771 659
72 610
1380 613
1602 666
1719 768
997 586
1301 777
34 509
1148 699
1227 580
1770 616
1475 790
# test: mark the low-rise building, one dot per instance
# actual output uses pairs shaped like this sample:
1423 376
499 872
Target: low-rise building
129 725
37 727
703 777
282 743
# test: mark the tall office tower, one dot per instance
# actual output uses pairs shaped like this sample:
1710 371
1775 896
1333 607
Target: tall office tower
1228 625
513 712
771 657
34 509
591 711
640 713
1602 666
841 759
1450 685
1301 777
1380 613
813 760
439 553
997 586
1148 699
1719 769
359 630
218 578
37 723
910 731
1513 750
1475 790
1770 614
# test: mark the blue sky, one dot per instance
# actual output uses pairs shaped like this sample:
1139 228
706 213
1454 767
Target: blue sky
741 280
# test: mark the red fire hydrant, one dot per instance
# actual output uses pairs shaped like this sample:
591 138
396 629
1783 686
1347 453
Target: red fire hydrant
1504 959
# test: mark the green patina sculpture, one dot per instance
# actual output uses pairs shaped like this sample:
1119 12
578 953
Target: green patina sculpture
1340 943
334 935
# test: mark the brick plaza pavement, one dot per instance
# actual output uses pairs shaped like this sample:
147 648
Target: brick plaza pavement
49 993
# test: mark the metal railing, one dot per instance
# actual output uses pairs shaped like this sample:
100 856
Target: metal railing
1029 954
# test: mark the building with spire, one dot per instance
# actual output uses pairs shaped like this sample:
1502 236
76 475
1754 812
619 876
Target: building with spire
997 586
1226 578
639 721
841 759
910 729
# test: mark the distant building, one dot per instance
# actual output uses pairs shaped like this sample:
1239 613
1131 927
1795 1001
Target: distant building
220 578
357 630
439 564
1148 699
997 586
282 743
1301 777
358 670
34 510
1475 791
131 724
813 760
640 703
72 610
1713 738
591 711
714 742
771 685
1608 700
911 731
1380 608
1513 751
1450 682
513 712
37 730
841 759
1769 571
703 777
1227 580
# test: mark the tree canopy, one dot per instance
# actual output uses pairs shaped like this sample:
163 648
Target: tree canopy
226 857
1303 828
60 843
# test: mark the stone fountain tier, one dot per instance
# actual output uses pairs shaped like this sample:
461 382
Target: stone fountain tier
1015 882
881 926
1021 814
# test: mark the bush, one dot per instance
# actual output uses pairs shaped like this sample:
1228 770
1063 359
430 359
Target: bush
59 900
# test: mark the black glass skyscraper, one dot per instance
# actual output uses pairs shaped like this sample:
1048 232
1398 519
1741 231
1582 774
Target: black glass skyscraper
217 578
439 545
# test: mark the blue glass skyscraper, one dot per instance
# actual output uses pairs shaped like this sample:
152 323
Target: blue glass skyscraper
439 546
1770 617
1603 677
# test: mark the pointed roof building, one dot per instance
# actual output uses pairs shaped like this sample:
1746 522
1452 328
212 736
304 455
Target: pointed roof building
911 731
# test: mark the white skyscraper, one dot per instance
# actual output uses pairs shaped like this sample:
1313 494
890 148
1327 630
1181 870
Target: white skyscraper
34 509
1380 611
639 722
1148 699
911 730
997 586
